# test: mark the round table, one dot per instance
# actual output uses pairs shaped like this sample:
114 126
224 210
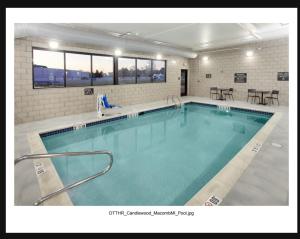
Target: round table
221 93
261 99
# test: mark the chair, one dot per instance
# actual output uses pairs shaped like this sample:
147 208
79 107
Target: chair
105 103
274 96
214 91
229 93
252 95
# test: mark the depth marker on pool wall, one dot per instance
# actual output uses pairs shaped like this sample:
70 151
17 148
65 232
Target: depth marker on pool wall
256 148
213 201
39 168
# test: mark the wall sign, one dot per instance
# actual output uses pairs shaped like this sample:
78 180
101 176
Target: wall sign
208 76
240 77
282 76
88 91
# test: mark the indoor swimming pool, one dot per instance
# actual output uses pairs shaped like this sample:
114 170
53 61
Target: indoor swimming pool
161 157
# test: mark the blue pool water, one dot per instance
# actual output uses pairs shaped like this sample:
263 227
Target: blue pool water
160 158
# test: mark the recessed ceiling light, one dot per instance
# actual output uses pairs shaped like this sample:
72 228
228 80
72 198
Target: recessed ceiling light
248 37
53 44
158 56
116 34
118 52
249 53
160 42
205 58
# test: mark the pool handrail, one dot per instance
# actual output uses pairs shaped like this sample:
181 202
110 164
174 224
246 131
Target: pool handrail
75 184
175 96
172 98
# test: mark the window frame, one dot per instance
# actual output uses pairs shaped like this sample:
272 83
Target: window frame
46 49
117 72
165 81
115 68
91 65
151 60
105 55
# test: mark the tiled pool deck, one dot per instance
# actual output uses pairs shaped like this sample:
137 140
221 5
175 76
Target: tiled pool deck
261 181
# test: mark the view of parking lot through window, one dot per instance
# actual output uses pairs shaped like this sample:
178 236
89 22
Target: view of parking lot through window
67 69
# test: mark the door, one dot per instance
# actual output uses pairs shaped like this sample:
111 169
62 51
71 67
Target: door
184 75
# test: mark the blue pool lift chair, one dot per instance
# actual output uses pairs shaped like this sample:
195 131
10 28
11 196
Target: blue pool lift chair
105 103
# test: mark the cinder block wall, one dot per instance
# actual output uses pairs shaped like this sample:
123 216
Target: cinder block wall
37 104
269 58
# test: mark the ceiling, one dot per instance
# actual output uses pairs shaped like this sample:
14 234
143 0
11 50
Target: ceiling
191 36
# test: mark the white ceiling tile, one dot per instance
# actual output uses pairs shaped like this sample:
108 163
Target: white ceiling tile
193 36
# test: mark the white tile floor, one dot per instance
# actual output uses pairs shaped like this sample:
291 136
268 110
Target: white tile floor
265 181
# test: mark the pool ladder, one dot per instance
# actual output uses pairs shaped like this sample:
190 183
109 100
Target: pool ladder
178 105
75 184
224 108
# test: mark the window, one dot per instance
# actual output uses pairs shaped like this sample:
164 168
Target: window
48 69
103 70
143 71
159 71
78 69
67 69
126 71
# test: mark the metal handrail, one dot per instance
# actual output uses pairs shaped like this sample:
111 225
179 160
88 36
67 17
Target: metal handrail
70 186
172 98
180 103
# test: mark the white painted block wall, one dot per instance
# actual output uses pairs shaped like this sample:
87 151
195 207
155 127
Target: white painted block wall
261 69
37 104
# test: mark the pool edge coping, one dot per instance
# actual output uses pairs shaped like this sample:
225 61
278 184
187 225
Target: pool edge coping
212 187
221 184
57 130
50 181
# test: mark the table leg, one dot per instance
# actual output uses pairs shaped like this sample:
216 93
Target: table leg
221 95
263 102
261 99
